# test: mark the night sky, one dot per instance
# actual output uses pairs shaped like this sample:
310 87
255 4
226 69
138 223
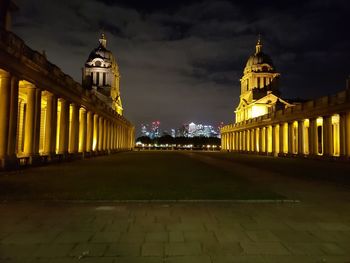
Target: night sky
181 61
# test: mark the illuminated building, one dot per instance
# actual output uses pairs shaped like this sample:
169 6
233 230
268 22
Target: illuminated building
155 130
46 116
144 130
197 130
319 127
101 76
259 87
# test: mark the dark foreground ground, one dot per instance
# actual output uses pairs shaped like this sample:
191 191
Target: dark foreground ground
62 216
132 176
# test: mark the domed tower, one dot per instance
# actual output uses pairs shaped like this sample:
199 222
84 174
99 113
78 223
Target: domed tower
101 75
259 86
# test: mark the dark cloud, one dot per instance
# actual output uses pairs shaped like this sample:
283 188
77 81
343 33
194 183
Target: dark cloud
182 60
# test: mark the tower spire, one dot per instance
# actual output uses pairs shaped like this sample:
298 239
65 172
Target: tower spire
258 47
103 40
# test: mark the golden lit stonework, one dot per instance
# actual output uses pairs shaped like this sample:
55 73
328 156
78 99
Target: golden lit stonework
46 116
259 87
101 75
267 124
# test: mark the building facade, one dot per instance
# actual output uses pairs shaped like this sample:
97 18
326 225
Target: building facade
259 87
316 128
101 76
46 116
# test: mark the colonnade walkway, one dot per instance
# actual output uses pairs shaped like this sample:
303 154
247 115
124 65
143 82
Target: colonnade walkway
269 228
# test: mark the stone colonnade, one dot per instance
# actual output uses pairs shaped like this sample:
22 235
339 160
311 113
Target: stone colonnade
37 125
316 128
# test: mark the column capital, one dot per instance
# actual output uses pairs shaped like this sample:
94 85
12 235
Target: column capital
4 74
27 84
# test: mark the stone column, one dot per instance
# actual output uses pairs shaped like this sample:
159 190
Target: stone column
5 102
233 141
120 138
312 136
104 146
37 120
50 125
327 136
261 140
108 148
251 140
82 130
257 142
112 136
344 124
30 121
228 141
117 136
89 131
74 129
267 141
273 139
290 138
301 137
64 128
347 134
12 134
123 137
96 135
281 137
101 134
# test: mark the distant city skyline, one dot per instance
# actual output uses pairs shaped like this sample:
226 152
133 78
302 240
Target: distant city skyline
154 129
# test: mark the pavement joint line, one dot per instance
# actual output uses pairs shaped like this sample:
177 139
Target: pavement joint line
237 201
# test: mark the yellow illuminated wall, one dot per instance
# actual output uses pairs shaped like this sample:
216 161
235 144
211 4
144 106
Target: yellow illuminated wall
258 110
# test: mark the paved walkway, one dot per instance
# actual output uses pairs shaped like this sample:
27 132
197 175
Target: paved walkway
315 230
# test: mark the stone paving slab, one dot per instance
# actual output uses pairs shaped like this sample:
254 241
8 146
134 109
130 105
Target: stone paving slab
315 230
51 240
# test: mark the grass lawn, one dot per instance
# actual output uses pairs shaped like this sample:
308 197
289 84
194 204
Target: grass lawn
130 176
334 171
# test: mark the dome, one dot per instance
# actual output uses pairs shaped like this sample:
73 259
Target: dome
101 52
259 59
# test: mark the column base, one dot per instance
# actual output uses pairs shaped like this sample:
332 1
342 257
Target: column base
9 163
35 159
